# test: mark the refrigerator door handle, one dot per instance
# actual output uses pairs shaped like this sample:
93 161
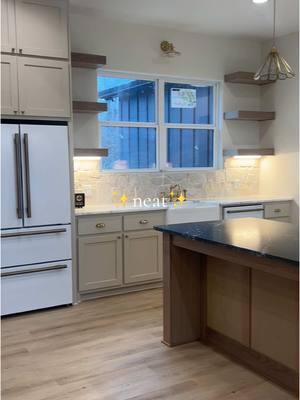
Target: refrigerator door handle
34 270
17 144
31 233
27 176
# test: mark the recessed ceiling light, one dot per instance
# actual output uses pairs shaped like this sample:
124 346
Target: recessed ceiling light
259 1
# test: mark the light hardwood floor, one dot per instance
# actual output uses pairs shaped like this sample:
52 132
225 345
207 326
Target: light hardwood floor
110 349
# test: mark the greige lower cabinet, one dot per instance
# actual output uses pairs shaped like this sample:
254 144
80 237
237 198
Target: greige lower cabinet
100 262
34 87
142 256
119 251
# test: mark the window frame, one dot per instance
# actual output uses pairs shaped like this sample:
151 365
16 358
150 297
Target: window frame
162 127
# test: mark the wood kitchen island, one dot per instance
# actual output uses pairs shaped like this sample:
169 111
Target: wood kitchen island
234 286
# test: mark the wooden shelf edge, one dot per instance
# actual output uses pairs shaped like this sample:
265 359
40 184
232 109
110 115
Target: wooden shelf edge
88 107
249 152
246 78
241 115
90 61
88 152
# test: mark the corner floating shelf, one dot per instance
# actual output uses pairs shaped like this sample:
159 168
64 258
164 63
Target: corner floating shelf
246 78
90 61
249 116
88 107
249 152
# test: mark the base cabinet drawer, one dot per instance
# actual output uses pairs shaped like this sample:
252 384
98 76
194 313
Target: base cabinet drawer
142 256
95 224
143 221
32 287
277 210
100 262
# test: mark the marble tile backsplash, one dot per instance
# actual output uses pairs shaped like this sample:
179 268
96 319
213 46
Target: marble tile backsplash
238 178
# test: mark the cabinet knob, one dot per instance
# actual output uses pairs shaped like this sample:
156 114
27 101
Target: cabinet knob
15 112
22 112
13 49
126 236
119 237
20 51
100 225
144 221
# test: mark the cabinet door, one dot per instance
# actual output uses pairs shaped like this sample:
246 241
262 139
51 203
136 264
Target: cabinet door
42 28
43 87
143 256
9 85
46 175
100 262
11 181
8 26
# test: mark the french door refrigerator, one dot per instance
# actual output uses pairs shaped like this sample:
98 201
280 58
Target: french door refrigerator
36 256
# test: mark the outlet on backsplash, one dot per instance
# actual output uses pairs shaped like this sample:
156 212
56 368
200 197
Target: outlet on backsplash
238 178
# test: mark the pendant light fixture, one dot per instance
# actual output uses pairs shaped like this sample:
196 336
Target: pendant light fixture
275 67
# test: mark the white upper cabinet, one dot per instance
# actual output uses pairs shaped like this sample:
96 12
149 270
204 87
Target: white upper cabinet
42 28
43 87
9 85
35 27
8 26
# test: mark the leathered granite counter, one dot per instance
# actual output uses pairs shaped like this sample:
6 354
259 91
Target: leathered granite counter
261 237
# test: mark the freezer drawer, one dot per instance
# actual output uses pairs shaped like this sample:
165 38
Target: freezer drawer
34 287
35 245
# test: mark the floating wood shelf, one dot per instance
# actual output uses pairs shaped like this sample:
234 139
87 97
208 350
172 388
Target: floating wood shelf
248 152
85 152
249 116
88 107
91 61
246 78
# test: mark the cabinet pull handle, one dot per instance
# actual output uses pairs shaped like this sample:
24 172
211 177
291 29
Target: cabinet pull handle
20 51
22 112
100 225
13 49
27 175
15 112
144 221
277 210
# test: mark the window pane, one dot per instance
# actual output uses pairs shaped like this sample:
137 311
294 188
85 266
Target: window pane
190 148
128 148
189 104
128 100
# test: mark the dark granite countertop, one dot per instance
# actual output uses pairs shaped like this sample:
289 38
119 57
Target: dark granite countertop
262 237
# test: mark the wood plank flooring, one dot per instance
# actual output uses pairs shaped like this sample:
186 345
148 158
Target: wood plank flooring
110 349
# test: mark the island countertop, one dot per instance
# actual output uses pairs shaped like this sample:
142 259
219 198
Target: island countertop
265 238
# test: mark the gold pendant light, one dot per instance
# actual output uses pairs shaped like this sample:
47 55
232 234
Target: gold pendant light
275 67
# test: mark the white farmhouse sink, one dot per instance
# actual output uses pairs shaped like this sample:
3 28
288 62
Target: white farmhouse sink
193 211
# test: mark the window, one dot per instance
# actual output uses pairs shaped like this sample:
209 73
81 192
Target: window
156 124
128 128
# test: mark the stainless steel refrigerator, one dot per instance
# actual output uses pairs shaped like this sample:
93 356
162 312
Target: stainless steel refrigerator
36 255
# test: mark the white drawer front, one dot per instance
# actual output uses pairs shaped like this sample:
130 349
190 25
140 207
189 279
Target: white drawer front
35 245
99 224
27 288
277 210
143 221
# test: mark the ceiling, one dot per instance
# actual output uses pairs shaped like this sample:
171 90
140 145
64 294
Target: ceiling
233 18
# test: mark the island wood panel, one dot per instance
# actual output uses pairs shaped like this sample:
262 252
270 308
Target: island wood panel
193 276
275 267
228 299
275 329
182 295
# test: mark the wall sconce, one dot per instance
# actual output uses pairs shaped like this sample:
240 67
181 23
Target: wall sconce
168 49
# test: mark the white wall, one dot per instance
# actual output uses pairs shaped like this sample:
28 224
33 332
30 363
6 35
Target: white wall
280 174
135 48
